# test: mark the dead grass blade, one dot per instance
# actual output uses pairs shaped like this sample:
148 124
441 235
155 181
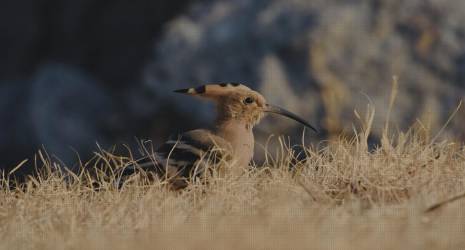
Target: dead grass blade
445 202
17 167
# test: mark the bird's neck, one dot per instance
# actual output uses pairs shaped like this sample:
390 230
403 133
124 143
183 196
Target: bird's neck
240 135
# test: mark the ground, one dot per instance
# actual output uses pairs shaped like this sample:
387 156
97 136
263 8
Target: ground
341 195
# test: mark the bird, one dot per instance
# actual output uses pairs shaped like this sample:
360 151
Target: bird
187 155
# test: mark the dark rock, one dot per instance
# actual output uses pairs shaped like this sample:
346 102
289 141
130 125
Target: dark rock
69 110
324 59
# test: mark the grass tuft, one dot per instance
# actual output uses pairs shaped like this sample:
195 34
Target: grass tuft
406 193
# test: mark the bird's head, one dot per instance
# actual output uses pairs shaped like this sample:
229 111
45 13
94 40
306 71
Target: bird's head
237 101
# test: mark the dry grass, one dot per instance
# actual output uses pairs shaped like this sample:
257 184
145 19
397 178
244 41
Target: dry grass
342 195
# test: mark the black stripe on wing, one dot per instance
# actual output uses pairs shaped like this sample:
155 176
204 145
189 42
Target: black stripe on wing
188 140
180 159
185 154
148 163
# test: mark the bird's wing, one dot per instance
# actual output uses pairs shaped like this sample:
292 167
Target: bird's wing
185 156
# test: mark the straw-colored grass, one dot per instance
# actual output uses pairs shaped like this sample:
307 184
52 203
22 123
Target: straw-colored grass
342 195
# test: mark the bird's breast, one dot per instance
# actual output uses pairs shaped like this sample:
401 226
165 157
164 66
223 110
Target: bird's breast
242 146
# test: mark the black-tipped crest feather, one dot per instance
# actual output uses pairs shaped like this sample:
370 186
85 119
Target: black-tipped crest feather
197 90
182 91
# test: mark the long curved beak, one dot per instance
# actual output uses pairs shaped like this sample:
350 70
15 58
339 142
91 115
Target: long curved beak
278 110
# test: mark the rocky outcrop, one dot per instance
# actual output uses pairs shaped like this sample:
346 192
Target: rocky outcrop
66 66
324 59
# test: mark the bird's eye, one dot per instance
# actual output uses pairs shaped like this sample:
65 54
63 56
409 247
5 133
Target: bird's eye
248 100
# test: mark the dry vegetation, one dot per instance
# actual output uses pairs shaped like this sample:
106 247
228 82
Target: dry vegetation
342 195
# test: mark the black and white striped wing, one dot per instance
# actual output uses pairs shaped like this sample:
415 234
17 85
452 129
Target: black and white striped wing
185 156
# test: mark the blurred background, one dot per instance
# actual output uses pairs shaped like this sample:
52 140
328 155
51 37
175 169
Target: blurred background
77 72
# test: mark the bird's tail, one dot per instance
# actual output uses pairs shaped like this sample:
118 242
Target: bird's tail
150 168
147 168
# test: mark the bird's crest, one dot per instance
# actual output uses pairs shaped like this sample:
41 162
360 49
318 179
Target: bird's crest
236 101
212 90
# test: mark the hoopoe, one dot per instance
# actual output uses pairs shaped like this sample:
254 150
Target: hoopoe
239 109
